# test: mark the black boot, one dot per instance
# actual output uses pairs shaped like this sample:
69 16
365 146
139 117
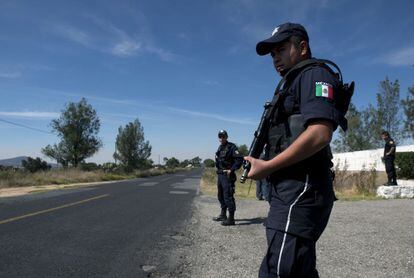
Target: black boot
222 216
389 182
229 221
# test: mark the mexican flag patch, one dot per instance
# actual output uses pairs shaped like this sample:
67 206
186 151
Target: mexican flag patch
324 89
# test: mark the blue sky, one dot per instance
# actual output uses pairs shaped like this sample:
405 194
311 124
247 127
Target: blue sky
184 68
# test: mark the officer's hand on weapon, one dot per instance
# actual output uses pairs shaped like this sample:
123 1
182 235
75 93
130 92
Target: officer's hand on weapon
228 172
259 169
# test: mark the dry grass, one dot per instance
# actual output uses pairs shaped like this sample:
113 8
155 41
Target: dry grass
208 185
358 185
68 176
348 185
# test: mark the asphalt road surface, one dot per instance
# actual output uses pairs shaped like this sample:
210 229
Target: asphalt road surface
122 229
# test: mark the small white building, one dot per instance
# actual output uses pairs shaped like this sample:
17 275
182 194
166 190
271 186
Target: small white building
369 159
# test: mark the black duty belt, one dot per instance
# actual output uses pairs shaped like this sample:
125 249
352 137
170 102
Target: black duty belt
221 171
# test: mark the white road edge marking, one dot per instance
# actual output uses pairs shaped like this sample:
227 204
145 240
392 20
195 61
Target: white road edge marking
178 192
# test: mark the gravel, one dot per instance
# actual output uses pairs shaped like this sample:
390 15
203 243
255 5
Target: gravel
363 239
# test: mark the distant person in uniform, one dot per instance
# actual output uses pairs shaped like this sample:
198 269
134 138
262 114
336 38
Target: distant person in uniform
389 157
262 187
298 154
228 160
262 190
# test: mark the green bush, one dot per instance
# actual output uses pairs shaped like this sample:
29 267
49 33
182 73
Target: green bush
109 167
405 164
89 166
209 163
35 164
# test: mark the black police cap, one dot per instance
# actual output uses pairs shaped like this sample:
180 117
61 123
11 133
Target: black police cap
281 33
222 133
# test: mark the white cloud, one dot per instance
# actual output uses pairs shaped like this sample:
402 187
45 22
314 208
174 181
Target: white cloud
400 57
18 70
184 37
121 115
109 38
10 74
211 83
214 116
129 102
30 114
164 55
161 109
126 48
73 34
256 31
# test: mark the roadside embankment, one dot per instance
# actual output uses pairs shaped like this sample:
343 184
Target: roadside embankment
14 183
371 239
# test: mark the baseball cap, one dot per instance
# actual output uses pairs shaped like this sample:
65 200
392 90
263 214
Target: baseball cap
281 33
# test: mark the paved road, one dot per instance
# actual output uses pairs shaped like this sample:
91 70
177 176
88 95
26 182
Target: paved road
123 229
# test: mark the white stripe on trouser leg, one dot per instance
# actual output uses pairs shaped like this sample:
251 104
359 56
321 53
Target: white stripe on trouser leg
287 225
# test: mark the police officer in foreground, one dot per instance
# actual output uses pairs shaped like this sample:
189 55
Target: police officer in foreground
228 160
389 157
299 157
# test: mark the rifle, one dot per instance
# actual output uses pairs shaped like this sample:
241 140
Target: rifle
259 140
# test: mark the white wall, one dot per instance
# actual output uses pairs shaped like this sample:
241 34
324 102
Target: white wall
369 158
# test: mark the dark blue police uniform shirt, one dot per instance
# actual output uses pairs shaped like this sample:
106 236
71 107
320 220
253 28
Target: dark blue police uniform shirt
232 158
389 143
312 94
312 105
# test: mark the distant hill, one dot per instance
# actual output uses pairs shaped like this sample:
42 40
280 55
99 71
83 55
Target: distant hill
17 162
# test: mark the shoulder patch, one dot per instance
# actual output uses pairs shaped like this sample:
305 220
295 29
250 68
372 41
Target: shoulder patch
323 89
391 142
236 152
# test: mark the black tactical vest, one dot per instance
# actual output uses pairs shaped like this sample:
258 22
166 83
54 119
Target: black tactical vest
223 156
285 126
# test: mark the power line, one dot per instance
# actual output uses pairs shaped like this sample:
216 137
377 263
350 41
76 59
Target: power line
25 126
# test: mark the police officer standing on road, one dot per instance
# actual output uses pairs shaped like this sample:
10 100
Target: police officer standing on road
299 157
389 157
228 160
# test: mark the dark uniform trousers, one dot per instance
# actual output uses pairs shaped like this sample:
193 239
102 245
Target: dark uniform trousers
225 189
288 256
297 217
390 169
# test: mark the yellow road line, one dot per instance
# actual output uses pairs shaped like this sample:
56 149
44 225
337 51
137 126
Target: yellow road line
51 209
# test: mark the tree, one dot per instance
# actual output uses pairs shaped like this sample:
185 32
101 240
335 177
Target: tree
184 163
196 161
354 139
109 166
33 165
77 127
408 106
386 115
209 162
171 162
243 150
89 166
131 149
